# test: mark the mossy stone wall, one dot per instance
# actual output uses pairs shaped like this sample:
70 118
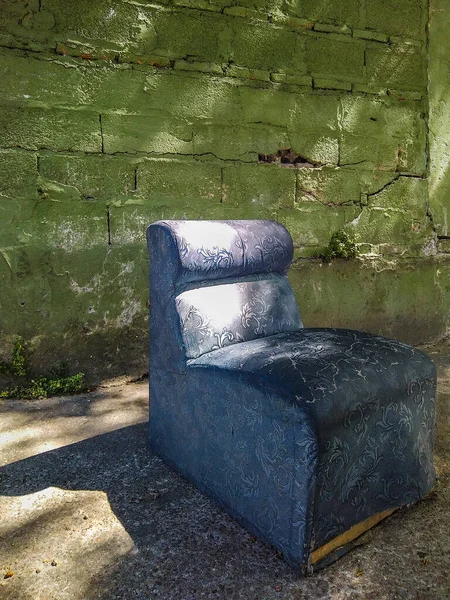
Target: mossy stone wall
116 114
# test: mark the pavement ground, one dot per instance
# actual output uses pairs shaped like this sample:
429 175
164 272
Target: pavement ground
88 512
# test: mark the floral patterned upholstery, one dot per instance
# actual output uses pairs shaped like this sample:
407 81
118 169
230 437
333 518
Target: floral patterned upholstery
228 313
299 433
217 249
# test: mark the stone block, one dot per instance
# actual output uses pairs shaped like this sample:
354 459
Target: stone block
59 130
157 133
316 148
17 220
14 12
180 181
313 128
70 226
444 245
246 73
328 28
385 136
337 60
338 12
245 13
103 178
405 233
397 216
66 83
18 174
262 6
102 24
129 222
258 105
216 6
244 142
258 189
400 299
314 113
102 289
304 80
268 47
396 67
406 19
202 67
311 224
403 194
372 180
200 36
366 34
295 23
328 185
24 303
193 98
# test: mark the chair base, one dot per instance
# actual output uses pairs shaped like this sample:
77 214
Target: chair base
339 543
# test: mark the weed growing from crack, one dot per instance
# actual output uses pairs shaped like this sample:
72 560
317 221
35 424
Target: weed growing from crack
341 246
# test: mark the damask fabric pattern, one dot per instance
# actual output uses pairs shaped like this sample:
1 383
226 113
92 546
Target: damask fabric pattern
371 402
229 313
300 434
217 249
245 444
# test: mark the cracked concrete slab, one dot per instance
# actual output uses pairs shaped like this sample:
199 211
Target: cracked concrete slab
87 512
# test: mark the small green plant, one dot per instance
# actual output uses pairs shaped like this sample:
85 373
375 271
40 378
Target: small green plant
43 387
341 246
58 382
17 366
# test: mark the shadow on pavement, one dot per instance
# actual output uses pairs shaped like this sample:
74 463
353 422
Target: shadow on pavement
119 524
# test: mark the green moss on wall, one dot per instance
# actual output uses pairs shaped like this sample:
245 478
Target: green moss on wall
118 114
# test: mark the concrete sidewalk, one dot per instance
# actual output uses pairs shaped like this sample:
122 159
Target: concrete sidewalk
86 511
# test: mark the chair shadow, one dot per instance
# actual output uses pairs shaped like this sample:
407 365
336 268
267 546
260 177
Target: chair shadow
185 546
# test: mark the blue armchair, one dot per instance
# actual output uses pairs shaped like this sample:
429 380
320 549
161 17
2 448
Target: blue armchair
306 436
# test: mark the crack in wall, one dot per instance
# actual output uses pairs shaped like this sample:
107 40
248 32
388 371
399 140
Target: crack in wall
222 186
287 157
393 181
384 187
101 133
108 221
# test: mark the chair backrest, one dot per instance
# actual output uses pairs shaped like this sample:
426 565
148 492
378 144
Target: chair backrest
215 283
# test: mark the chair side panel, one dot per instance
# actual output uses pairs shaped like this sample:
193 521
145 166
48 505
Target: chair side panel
243 444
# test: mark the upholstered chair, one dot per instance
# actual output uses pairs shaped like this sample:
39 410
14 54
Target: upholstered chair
306 436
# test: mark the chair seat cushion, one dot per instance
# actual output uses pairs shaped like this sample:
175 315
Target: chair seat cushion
333 370
370 401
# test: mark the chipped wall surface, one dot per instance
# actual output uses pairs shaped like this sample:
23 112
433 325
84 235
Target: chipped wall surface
116 114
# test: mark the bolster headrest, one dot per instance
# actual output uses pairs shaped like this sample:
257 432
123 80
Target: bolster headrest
219 249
